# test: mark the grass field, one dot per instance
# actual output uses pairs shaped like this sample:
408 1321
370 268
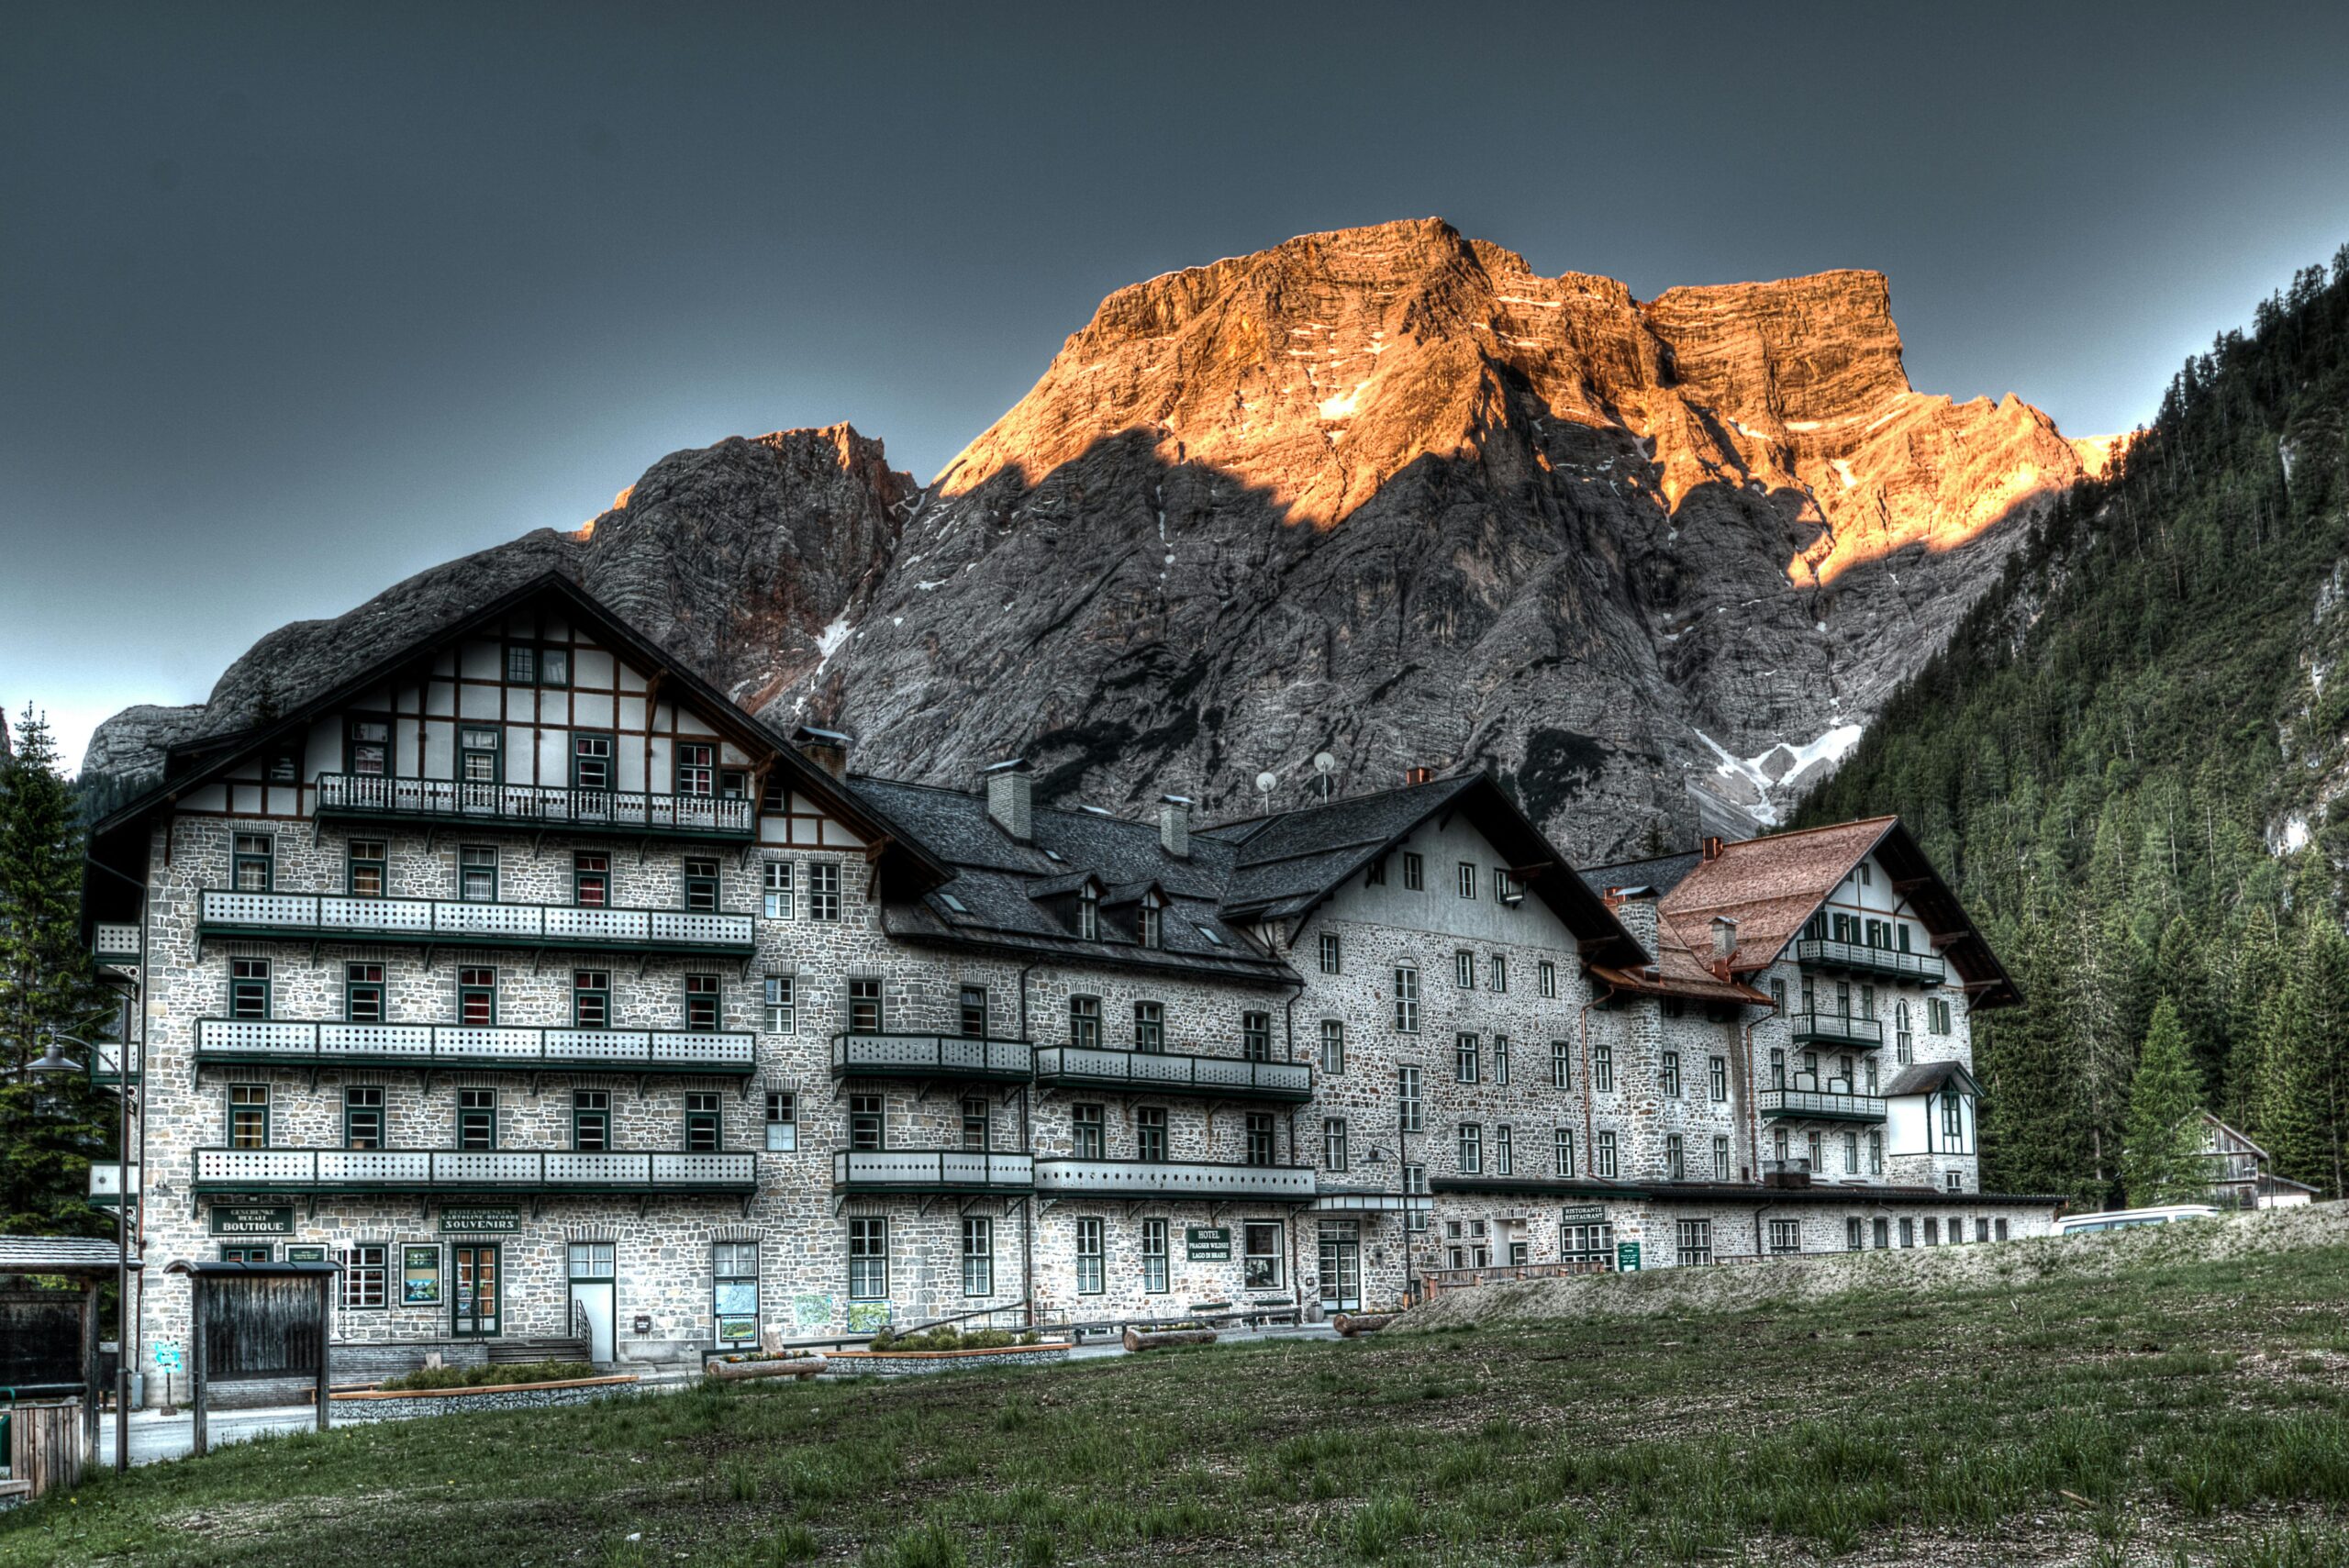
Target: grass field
2189 1413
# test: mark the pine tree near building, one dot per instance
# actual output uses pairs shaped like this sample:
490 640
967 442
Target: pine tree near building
2161 1157
50 1129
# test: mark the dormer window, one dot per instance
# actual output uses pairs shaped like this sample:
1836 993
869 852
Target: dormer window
1089 913
1152 923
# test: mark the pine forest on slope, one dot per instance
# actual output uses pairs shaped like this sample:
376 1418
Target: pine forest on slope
2128 759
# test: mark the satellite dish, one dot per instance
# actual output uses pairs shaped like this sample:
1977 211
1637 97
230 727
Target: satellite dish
1325 764
1266 783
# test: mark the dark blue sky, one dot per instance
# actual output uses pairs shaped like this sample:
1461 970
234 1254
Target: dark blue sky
296 300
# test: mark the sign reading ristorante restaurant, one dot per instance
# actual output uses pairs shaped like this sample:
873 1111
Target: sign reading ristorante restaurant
252 1219
477 1219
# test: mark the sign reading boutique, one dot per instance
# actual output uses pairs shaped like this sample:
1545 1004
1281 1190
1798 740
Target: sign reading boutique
252 1219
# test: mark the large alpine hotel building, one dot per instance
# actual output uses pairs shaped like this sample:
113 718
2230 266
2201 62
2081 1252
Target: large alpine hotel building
549 994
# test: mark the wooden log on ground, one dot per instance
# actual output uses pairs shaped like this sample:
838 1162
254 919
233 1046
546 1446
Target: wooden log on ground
783 1366
1166 1338
1349 1324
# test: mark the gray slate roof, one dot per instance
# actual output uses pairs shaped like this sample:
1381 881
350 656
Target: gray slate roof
1926 1077
58 1255
1285 865
1661 873
1010 891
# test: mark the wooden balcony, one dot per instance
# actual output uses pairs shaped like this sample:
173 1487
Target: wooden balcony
1217 1077
920 1172
361 798
471 1170
1174 1179
932 1056
1834 1029
296 1043
1924 968
451 922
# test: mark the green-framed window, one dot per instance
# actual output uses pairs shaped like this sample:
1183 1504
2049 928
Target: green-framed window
1602 1068
591 880
701 884
697 768
592 765
868 1259
478 996
1150 1027
1406 998
1333 1143
1150 1134
249 987
978 1255
865 1013
1471 1149
1561 1150
1256 1037
1466 1058
481 754
590 998
734 1291
253 868
591 1119
705 1127
974 1012
1262 1263
362 1118
366 1272
476 1118
477 874
1410 1105
1085 1022
978 1129
246 1251
365 868
867 1121
775 891
363 993
1154 1270
1092 1259
1258 1139
1334 1045
1089 1132
701 1004
823 890
783 1121
1500 1060
248 1116
1546 975
367 745
782 1010
1561 1065
521 664
1497 969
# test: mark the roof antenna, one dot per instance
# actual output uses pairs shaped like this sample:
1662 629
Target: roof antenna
1325 765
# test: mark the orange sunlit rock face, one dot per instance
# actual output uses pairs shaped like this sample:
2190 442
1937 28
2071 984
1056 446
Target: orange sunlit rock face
1321 370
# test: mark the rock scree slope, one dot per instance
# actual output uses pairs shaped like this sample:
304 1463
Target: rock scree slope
1387 492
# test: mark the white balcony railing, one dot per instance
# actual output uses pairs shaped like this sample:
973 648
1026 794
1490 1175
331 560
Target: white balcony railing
301 1043
115 943
471 1171
931 1170
535 806
1094 1068
1822 1104
1174 1179
931 1056
462 922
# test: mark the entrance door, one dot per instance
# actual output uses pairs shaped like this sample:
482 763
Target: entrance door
594 1290
1341 1265
474 1286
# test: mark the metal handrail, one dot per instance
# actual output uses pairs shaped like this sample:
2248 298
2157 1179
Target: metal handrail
1812 1102
1922 966
858 1053
472 1170
1836 1027
943 1169
305 1042
1174 1178
465 922
538 805
1174 1070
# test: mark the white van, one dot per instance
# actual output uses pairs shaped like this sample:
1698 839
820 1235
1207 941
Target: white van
2124 1219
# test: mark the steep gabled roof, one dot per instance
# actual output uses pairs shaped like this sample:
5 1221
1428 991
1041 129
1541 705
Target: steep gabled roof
1771 885
1930 1077
1286 864
209 759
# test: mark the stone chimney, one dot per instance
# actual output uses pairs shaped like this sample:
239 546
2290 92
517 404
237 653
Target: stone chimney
1724 936
828 749
1635 912
1011 797
1174 825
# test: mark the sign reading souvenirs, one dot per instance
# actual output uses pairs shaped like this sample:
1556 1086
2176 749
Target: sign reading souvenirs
419 1276
1582 1214
473 1219
1206 1243
252 1219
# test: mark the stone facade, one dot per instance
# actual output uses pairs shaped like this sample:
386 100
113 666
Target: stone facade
1476 1094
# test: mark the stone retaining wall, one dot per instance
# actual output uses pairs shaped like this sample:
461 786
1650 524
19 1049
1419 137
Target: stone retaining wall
523 1397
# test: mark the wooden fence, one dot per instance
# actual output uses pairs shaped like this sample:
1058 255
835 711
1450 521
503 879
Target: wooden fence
45 1444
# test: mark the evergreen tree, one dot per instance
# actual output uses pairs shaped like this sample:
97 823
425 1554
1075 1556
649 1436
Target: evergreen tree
2161 1159
50 1129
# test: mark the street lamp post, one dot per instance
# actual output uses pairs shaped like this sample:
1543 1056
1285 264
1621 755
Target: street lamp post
52 1062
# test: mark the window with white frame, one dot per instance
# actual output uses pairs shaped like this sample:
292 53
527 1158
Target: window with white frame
978 1255
1154 1257
1415 1184
1696 1241
1406 999
1602 1155
1331 954
1503 1150
1410 1110
1497 971
1334 1045
1717 1076
1602 1068
1471 1149
734 1291
1500 1059
1786 1235
1545 974
775 891
1720 1159
1670 1074
1465 1058
364 1271
1261 1255
1561 1150
783 1121
782 1013
1676 1164
1561 1065
1092 1270
1415 872
1463 970
1333 1143
868 1260
1467 879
